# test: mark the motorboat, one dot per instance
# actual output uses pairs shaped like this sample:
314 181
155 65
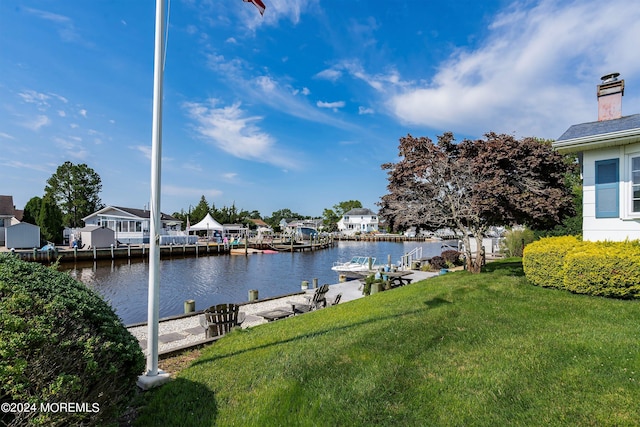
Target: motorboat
355 268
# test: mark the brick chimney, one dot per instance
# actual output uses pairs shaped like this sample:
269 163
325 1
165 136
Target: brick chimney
610 93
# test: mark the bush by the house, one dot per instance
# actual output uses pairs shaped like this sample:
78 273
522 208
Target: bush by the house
61 343
605 269
543 261
610 269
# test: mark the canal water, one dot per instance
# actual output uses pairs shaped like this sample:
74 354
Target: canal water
219 279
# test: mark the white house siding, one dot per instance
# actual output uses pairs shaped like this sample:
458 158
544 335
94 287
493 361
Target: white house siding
626 226
357 224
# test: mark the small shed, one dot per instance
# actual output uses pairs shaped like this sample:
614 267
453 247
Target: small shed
22 235
95 236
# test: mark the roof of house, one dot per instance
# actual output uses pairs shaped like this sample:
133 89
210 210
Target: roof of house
140 213
601 127
601 134
6 206
259 222
92 228
360 211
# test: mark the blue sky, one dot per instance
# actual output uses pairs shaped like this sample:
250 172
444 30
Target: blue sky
296 109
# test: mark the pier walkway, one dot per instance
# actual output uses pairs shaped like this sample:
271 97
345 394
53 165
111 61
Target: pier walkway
182 332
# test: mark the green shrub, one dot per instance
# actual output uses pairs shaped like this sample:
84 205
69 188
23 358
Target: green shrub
60 342
604 269
543 261
515 241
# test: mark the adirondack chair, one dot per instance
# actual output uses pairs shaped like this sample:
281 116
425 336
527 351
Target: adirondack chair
336 300
314 302
219 319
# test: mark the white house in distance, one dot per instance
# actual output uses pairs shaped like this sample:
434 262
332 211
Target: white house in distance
609 153
358 220
131 226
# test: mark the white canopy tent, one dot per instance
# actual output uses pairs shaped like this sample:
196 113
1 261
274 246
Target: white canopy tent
208 223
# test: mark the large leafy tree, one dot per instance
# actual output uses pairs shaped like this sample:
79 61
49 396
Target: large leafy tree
31 211
50 220
76 191
472 185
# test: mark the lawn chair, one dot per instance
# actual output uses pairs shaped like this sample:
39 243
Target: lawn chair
314 302
336 300
219 319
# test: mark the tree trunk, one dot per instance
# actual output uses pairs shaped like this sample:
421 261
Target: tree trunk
474 260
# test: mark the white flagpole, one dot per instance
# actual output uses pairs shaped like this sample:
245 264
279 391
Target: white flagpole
154 238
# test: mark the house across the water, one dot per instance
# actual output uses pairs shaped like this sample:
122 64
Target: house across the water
609 153
131 226
358 220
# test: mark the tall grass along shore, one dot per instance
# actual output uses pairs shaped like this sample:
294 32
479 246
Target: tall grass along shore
459 349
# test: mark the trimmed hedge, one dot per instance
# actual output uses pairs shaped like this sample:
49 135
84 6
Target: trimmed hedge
543 260
610 269
604 269
61 343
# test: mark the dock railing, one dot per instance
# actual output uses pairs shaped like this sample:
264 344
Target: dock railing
409 257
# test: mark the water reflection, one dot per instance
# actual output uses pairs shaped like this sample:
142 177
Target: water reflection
216 279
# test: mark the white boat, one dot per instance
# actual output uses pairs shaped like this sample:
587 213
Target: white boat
353 269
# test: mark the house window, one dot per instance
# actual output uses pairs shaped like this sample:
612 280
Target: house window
607 194
635 184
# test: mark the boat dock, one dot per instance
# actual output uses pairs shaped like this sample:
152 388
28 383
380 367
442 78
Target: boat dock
183 332
65 254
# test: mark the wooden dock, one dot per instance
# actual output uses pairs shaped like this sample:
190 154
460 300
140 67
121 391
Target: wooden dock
166 251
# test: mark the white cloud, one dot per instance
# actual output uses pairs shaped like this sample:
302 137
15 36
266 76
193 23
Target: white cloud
304 91
37 122
71 146
331 74
229 176
37 98
6 136
83 113
21 165
535 74
269 91
365 110
144 149
231 130
384 81
66 28
62 113
333 105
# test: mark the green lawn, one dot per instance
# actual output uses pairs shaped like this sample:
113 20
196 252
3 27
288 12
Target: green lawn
459 349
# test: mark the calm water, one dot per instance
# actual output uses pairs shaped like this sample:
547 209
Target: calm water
217 279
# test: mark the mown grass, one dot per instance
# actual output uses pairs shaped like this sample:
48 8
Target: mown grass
459 349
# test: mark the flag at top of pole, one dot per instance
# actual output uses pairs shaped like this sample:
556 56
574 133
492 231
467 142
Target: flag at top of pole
261 7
